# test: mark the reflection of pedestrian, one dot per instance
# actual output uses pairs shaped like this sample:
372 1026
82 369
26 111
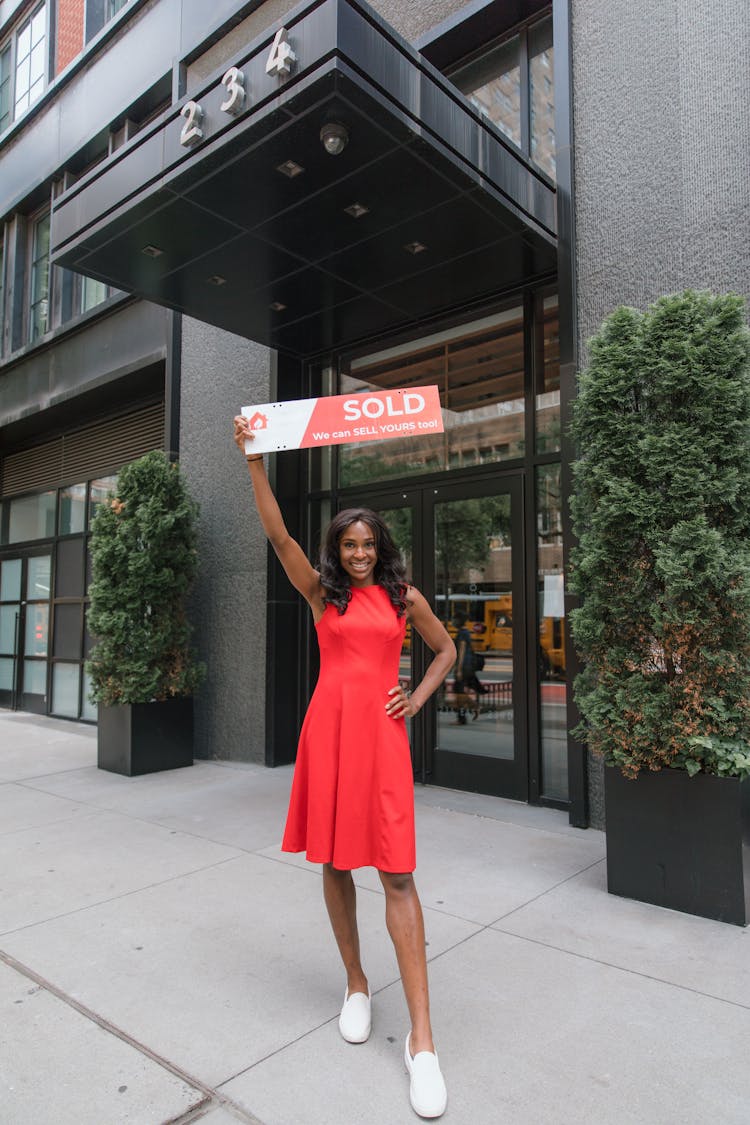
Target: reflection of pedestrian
352 800
466 679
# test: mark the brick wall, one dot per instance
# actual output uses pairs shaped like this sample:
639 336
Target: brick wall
70 17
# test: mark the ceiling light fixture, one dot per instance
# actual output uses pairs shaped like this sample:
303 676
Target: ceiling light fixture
152 251
217 279
277 306
290 168
357 210
415 247
334 137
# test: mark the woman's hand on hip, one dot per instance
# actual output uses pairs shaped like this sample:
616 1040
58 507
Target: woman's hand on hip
400 705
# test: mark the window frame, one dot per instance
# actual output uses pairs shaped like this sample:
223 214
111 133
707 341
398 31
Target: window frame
524 32
10 44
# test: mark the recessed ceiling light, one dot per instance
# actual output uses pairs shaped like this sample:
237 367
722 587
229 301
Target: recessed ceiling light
217 279
277 306
152 251
415 247
357 210
290 168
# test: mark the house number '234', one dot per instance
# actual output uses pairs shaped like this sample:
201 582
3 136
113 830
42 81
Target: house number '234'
279 62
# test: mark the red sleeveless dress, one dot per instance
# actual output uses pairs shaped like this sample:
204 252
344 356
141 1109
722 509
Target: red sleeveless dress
352 799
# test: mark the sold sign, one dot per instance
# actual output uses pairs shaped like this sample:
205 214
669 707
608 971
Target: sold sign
338 419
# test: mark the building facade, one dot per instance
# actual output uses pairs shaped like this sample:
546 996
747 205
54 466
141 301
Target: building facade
204 207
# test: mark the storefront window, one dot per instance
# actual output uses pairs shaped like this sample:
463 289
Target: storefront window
548 375
99 490
551 635
479 370
72 509
66 680
31 517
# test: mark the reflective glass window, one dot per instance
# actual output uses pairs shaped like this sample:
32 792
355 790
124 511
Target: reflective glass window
6 77
6 674
38 577
35 677
542 96
66 680
552 627
8 614
88 710
37 629
493 84
547 366
10 580
32 517
100 489
40 274
72 509
31 57
479 369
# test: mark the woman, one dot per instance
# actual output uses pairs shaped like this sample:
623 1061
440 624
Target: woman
352 802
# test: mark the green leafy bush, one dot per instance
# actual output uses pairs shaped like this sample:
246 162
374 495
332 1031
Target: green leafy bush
661 509
143 559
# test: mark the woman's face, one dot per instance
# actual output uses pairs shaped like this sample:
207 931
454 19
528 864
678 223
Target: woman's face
358 553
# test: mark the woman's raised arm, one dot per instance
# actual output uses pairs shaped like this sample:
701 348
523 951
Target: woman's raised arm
300 572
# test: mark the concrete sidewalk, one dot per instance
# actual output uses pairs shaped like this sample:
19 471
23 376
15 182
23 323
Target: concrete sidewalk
161 961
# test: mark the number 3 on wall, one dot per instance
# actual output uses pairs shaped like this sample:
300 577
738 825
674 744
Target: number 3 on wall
234 80
282 56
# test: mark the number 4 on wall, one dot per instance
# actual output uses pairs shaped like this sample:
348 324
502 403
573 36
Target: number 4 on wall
282 56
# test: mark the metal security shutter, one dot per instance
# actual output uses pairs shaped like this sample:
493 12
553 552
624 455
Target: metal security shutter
89 452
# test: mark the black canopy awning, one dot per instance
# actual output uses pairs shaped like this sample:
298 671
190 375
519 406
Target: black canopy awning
253 226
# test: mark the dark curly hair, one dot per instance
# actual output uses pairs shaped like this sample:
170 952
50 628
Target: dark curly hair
389 572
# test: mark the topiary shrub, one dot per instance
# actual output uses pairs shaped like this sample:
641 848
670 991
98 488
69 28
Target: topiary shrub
143 562
661 510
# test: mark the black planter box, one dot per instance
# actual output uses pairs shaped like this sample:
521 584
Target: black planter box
136 738
680 842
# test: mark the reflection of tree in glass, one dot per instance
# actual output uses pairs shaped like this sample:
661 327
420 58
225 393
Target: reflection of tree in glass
549 528
463 531
399 525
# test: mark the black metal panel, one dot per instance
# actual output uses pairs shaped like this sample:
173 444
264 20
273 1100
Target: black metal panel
117 360
235 238
681 842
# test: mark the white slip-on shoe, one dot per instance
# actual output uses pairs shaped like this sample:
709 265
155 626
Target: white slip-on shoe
355 1019
427 1092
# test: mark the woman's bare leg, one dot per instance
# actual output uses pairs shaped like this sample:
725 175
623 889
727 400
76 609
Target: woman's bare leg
341 900
403 917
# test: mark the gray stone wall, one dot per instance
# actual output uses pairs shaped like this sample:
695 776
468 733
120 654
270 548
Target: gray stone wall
662 150
661 161
221 373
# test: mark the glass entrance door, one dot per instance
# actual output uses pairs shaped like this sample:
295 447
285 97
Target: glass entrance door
24 631
463 548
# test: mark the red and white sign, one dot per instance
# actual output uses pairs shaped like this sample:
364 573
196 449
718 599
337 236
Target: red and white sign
338 419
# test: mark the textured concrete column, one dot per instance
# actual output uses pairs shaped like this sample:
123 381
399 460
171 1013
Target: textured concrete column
220 373
662 144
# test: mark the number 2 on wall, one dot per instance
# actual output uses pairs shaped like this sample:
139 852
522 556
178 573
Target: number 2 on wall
191 130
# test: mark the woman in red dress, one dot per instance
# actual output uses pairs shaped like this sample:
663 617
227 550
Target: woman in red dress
352 800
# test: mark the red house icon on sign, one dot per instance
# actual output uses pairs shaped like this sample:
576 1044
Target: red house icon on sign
258 421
